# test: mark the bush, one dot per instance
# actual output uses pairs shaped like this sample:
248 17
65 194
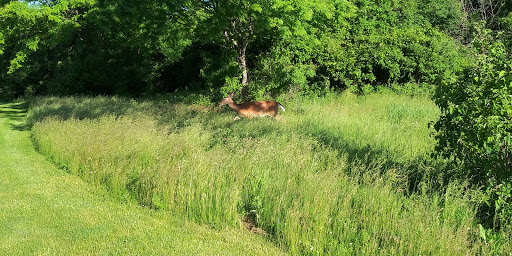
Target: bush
475 128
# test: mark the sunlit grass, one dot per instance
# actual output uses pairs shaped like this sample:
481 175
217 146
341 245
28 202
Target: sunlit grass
339 175
46 211
395 126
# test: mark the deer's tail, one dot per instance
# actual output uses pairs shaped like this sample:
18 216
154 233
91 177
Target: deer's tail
281 106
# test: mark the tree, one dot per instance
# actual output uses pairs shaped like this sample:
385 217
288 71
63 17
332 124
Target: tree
475 128
285 27
233 23
337 44
84 46
135 47
34 39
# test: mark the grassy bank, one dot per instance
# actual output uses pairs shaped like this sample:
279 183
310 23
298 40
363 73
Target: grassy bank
46 211
340 175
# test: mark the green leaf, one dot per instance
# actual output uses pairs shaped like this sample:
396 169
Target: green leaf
16 62
32 44
257 8
482 233
488 149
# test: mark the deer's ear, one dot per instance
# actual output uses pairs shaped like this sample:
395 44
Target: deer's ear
231 94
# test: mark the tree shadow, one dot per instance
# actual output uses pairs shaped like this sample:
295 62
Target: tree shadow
419 170
79 108
16 113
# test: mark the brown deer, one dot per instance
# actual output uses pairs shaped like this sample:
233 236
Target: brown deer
253 109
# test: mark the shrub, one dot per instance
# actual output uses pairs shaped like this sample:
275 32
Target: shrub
475 128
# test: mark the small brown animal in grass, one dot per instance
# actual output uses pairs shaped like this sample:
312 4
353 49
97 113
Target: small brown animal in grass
253 109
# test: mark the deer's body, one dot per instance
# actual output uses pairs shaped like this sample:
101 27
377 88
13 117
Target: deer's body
254 109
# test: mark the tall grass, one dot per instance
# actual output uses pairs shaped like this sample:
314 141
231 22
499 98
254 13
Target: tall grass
338 176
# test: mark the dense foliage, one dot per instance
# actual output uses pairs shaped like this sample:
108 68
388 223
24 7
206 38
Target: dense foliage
476 128
139 47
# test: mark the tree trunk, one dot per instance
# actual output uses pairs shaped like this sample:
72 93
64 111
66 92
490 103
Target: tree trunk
242 63
239 35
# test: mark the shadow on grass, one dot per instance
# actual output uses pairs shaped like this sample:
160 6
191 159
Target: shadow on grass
78 108
93 108
172 115
419 170
175 116
16 112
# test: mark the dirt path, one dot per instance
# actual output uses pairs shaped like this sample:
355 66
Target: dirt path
45 211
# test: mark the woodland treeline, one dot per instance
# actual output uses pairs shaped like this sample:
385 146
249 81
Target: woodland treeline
140 47
456 50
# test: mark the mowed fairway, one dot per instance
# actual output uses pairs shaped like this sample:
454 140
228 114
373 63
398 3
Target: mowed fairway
46 211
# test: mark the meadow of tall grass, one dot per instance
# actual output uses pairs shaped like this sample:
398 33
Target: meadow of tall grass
340 175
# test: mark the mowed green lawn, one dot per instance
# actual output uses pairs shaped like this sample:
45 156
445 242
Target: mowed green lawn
46 211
